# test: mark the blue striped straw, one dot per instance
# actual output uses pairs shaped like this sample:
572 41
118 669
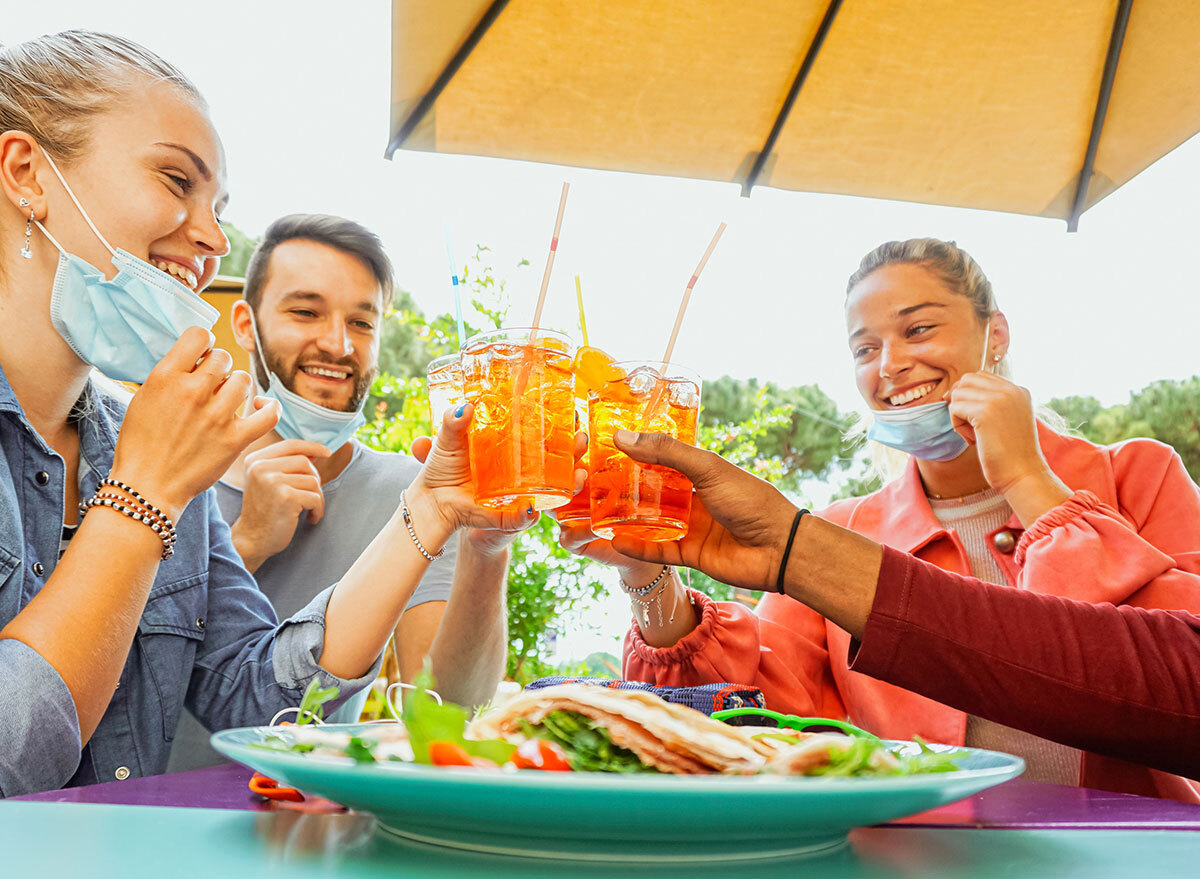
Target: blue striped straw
462 335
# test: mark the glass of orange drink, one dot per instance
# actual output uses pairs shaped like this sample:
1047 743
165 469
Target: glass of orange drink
445 378
592 368
647 501
522 434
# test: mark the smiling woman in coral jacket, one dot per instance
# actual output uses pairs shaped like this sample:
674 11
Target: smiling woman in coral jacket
987 490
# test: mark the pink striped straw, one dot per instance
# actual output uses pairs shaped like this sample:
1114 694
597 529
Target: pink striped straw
660 386
687 294
562 205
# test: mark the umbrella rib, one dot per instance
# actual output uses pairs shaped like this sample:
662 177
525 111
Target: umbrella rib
785 110
1115 42
439 85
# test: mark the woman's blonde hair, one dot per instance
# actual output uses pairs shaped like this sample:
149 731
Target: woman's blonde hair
961 274
50 87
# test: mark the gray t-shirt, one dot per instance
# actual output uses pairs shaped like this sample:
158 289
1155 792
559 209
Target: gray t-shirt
358 503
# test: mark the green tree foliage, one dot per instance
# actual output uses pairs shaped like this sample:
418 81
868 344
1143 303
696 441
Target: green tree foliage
784 435
241 245
1167 410
544 581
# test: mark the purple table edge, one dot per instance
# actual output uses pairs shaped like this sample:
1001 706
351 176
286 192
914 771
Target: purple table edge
1015 805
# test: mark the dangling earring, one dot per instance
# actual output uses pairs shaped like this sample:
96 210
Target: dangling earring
27 250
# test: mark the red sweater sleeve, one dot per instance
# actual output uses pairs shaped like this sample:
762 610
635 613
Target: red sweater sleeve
784 656
1120 681
1144 553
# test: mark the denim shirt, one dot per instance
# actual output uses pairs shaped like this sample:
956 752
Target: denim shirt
207 639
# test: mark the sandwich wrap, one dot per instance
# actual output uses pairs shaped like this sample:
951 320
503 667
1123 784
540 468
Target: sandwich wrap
669 738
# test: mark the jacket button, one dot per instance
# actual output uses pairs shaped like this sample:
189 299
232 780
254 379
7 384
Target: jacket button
199 622
122 773
1005 542
42 477
38 569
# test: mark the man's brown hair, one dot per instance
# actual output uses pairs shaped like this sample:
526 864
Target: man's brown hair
336 232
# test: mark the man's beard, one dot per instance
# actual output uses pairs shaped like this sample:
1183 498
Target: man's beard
287 376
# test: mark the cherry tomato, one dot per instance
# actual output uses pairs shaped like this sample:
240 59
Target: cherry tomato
540 754
448 754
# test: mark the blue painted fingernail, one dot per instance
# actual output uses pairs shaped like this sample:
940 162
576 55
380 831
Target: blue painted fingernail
458 413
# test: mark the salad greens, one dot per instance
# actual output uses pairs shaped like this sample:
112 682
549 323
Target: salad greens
312 708
585 742
588 746
867 757
428 722
312 705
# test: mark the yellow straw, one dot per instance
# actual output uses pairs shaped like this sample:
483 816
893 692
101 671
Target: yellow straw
582 319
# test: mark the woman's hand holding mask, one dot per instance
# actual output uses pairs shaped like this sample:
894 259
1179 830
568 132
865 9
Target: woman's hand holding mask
996 416
182 430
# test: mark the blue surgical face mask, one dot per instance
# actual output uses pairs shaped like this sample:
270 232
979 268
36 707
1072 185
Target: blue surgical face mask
303 419
926 432
122 327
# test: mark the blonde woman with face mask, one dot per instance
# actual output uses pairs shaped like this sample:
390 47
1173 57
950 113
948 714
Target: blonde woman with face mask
982 489
121 595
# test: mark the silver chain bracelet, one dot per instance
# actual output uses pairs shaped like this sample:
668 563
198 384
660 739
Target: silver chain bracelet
640 597
643 591
407 516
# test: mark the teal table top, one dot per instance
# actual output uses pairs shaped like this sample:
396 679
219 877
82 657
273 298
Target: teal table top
71 839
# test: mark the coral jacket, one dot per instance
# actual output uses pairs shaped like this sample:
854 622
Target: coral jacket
1130 534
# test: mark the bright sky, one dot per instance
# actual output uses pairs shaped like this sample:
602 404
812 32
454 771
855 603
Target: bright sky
300 93
300 96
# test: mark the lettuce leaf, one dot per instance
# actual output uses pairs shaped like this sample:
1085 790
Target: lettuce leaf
588 746
428 722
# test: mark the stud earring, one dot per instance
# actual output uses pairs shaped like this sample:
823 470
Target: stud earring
27 250
996 358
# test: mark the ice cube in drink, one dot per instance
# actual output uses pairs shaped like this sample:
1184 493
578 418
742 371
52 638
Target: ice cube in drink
445 377
522 433
647 501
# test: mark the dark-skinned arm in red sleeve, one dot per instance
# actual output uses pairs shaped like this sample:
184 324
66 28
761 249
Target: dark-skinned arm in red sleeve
1122 681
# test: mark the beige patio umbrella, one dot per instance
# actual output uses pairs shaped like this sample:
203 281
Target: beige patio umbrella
1037 107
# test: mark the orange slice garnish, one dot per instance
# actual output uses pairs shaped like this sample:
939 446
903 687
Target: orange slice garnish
593 370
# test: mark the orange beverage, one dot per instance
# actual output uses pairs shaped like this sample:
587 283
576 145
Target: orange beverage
523 432
578 512
445 377
647 501
592 368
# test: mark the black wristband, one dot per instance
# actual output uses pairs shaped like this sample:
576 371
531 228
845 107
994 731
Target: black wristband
787 550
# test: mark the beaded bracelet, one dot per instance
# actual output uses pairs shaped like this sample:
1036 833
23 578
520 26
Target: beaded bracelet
139 509
643 591
168 543
413 534
129 490
166 529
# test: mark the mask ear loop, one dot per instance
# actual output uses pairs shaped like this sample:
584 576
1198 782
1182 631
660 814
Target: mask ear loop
286 711
987 337
258 348
401 685
84 213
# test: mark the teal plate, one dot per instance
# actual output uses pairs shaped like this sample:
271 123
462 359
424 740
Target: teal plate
618 818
